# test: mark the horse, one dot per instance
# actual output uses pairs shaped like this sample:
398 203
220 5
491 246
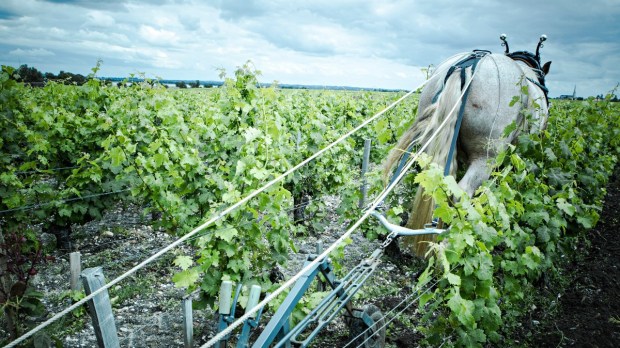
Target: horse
473 135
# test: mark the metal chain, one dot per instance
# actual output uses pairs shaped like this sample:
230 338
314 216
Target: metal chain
389 239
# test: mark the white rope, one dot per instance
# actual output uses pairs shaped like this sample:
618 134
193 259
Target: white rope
249 313
205 225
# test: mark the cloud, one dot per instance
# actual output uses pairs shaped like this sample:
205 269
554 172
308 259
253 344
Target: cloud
5 14
108 5
99 19
158 36
375 43
237 9
33 52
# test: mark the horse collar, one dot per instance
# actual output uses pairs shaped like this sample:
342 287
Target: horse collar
530 59
533 62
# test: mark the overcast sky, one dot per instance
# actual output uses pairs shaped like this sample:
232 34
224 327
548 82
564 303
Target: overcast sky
364 43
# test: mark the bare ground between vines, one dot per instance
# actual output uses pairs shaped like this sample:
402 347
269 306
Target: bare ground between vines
147 306
589 309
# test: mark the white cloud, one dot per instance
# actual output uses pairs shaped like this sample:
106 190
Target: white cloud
32 52
158 36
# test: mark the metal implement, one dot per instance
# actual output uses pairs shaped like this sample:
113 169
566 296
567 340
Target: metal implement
368 321
227 313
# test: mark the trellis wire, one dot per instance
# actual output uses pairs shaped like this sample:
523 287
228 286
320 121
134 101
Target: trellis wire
36 206
334 245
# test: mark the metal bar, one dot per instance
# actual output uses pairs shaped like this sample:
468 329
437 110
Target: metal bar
244 337
404 231
335 308
286 308
341 295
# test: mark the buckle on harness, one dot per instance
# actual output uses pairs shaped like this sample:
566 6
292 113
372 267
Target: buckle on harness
481 53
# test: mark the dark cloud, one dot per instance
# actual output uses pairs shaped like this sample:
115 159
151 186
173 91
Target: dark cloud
5 14
236 9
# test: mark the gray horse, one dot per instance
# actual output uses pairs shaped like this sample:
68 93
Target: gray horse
497 79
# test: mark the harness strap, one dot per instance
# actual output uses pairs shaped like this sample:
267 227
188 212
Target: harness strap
533 62
542 88
470 61
457 127
478 56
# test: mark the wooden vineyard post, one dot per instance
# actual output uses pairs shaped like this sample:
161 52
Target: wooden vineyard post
320 286
76 269
188 322
100 308
364 184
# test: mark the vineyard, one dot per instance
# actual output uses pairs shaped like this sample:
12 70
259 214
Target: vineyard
73 155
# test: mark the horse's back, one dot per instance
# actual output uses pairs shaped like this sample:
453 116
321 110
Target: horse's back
497 79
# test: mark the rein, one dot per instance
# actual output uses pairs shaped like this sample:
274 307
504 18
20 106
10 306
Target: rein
472 60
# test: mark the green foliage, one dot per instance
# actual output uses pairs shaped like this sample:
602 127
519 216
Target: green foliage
74 296
50 136
71 152
543 194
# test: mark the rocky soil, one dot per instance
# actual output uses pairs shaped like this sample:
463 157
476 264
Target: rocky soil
147 306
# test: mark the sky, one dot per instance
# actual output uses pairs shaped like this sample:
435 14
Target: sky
364 43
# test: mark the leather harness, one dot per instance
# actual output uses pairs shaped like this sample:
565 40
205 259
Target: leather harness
472 60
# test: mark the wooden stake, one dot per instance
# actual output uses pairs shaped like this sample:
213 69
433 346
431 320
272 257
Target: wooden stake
100 308
365 161
76 269
188 323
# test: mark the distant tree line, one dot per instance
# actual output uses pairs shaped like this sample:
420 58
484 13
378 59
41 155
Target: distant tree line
34 77
182 84
614 97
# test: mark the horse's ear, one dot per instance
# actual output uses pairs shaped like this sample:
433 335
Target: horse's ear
546 68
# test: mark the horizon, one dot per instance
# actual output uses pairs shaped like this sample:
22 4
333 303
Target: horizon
203 83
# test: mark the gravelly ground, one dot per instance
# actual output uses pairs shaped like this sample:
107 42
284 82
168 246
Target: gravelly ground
153 316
